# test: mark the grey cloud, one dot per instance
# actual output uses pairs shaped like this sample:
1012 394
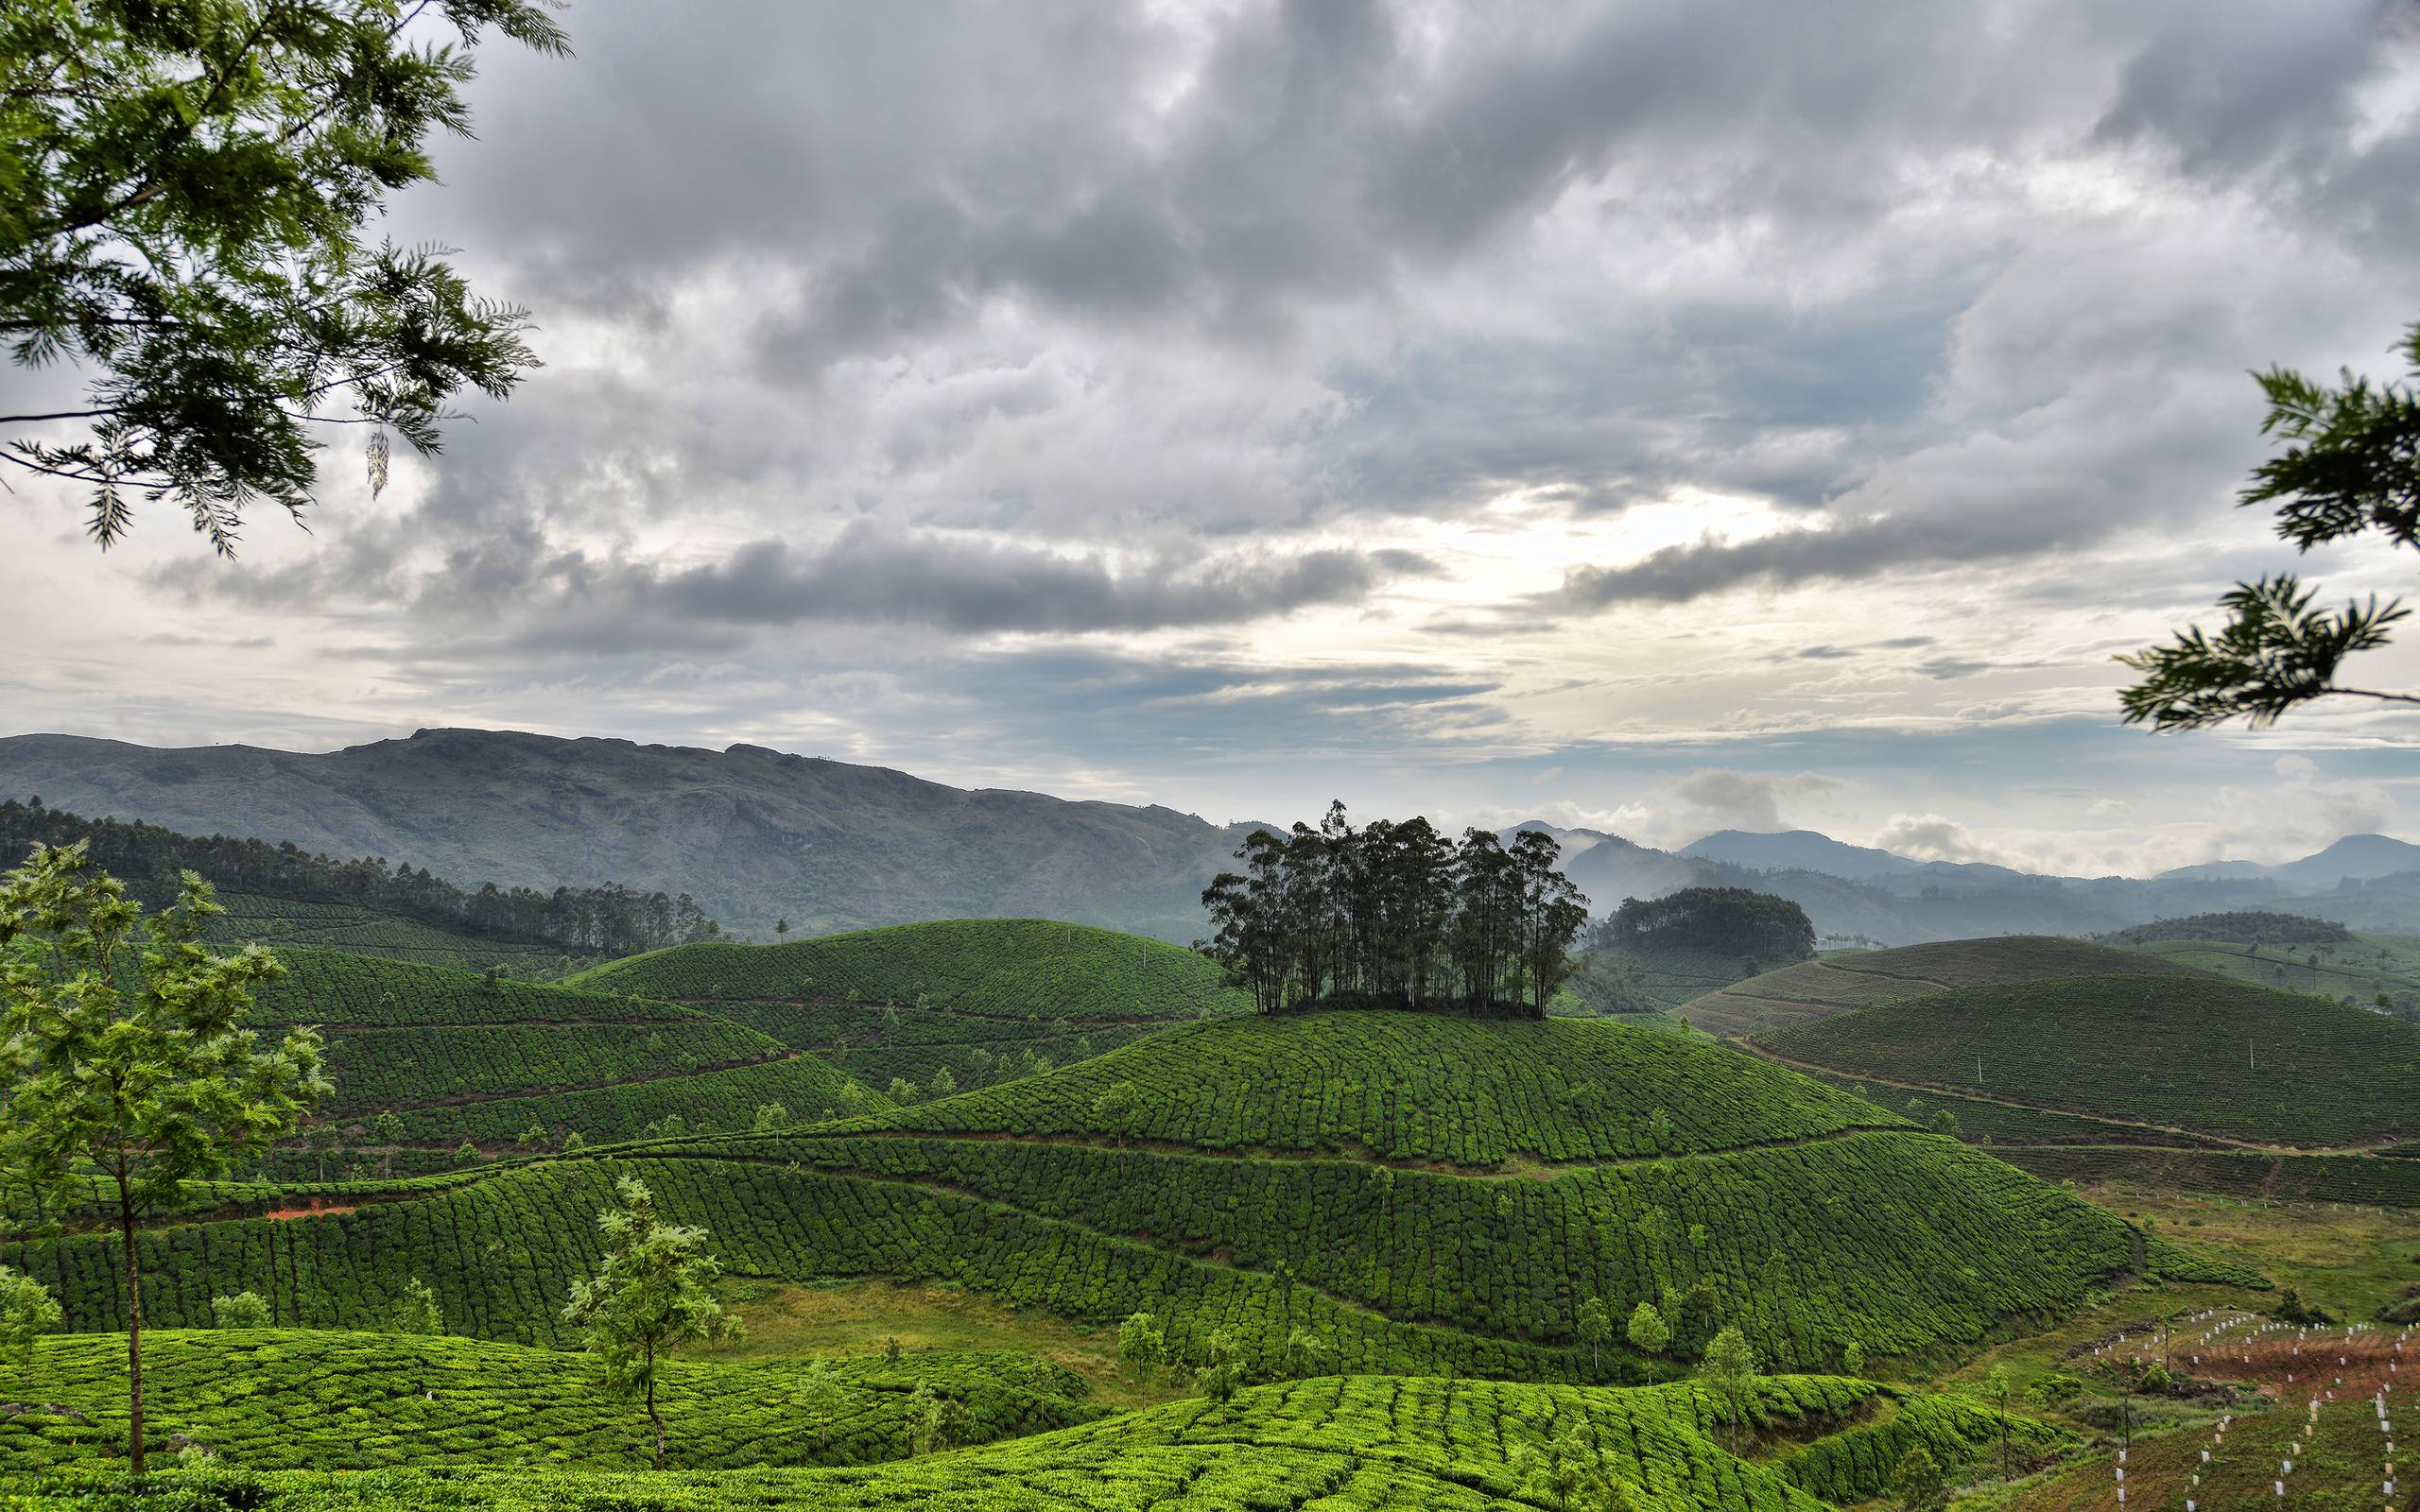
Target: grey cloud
869 574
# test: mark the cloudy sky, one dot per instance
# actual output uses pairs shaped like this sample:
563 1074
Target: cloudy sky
1659 415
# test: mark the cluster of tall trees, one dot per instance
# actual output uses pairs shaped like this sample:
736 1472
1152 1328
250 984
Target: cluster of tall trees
1395 915
1720 921
610 919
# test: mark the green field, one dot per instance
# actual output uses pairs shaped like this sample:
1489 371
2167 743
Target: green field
1758 1197
2188 1052
1328 1444
986 1000
291 1399
1815 989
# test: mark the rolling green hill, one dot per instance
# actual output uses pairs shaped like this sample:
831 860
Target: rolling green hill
1417 1087
460 1056
1755 1197
1813 990
2189 1052
289 1399
1323 1445
985 999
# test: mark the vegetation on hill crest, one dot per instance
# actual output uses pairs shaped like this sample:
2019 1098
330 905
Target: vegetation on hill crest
1395 914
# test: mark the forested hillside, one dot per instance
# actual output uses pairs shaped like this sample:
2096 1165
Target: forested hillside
604 920
754 835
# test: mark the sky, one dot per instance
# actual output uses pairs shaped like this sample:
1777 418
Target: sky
1658 416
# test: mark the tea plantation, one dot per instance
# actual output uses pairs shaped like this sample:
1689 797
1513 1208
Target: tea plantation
1318 1445
1023 969
460 1056
1727 1190
1815 989
289 1399
985 999
2196 1053
280 922
1417 1087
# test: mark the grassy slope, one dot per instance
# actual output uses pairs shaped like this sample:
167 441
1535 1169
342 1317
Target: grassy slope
2162 1050
290 1398
1814 990
982 998
460 1056
1807 1243
1321 1444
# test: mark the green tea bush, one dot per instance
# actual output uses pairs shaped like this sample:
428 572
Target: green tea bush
294 1399
1011 968
1422 1086
2194 1051
1324 1445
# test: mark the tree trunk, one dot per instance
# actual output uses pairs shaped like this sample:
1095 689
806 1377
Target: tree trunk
134 1331
653 1415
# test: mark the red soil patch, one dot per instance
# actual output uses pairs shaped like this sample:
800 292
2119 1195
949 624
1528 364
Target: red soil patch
330 1210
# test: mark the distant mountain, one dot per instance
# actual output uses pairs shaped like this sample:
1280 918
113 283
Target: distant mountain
2357 856
757 836
753 834
1799 850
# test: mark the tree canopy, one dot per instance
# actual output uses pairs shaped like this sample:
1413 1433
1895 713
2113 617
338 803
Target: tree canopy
1395 915
183 191
132 1062
654 1290
607 920
1721 920
2351 467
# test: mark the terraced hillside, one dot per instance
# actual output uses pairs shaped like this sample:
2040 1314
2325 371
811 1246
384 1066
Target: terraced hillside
460 1055
2188 1052
279 922
1814 990
1320 1445
289 1399
983 999
1406 1221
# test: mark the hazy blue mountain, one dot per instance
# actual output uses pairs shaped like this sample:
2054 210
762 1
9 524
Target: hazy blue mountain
1798 850
2357 856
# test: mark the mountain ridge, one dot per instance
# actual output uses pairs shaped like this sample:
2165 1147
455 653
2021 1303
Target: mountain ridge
758 836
